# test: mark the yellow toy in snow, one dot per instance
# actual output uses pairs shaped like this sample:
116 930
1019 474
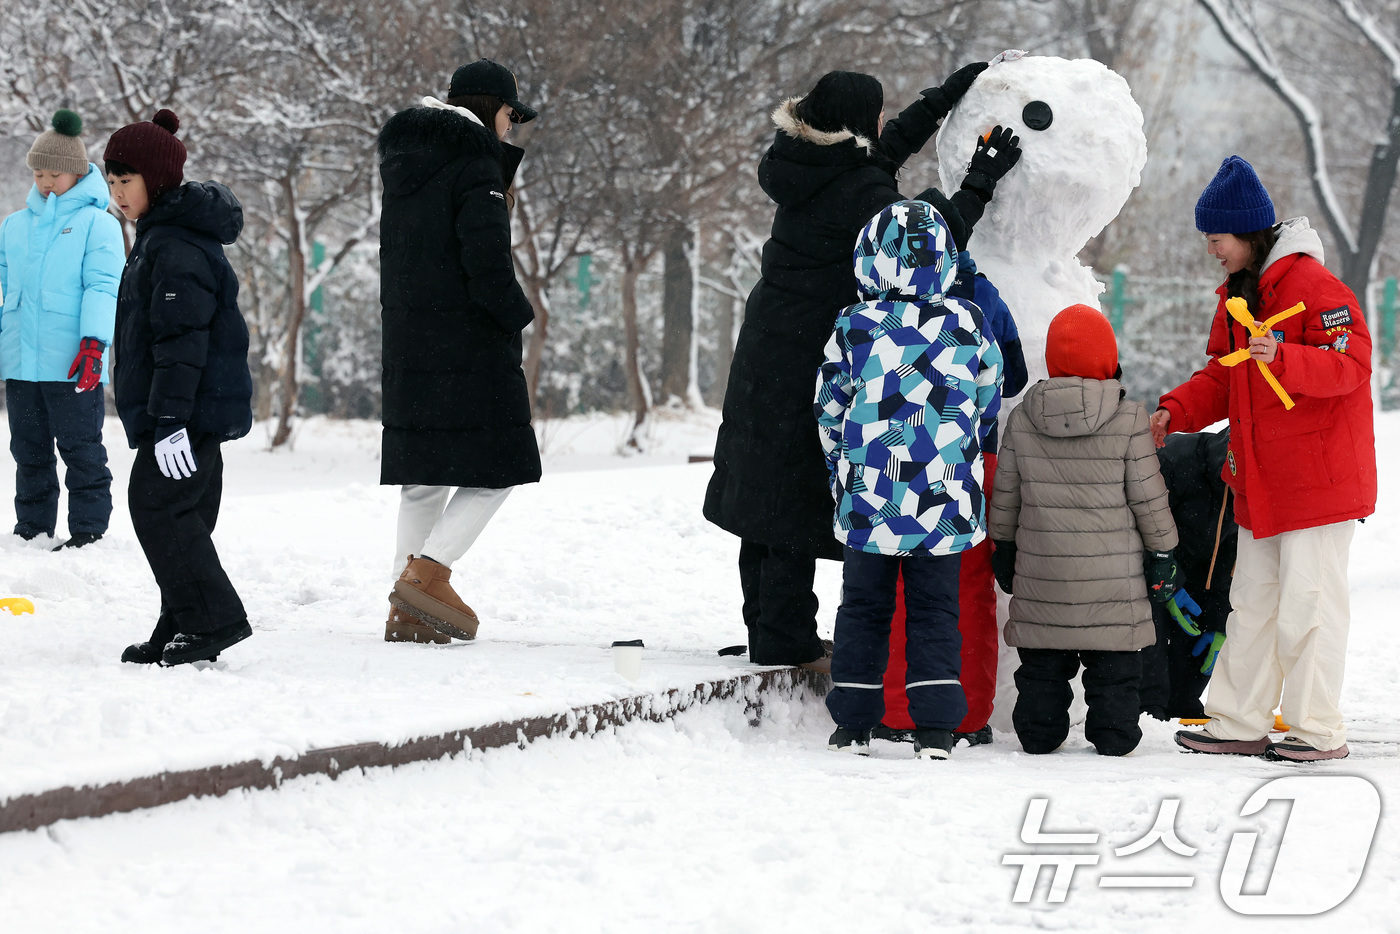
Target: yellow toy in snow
16 605
1240 312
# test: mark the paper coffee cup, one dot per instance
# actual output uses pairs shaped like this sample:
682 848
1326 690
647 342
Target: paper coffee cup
627 658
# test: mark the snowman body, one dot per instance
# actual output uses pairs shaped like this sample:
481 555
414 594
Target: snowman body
1075 174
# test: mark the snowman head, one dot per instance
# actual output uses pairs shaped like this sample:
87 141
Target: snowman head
1082 152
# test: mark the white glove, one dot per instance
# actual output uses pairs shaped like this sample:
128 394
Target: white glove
174 457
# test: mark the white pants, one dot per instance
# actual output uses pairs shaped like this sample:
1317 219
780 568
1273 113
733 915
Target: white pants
1286 635
431 525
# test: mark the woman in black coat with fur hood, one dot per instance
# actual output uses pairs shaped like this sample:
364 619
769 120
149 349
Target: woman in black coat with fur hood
456 406
831 168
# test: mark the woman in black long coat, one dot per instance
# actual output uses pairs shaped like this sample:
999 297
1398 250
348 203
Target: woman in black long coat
456 406
830 169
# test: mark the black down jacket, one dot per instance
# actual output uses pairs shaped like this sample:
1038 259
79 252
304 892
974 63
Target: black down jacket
770 482
181 345
456 406
1191 466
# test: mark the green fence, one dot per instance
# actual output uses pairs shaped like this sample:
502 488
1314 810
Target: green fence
1162 326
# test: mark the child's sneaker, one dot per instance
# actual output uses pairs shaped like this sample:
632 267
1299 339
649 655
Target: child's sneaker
933 744
1293 749
847 740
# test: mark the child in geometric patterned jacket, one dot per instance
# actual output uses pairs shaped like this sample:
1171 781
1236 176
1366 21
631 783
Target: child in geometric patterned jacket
909 392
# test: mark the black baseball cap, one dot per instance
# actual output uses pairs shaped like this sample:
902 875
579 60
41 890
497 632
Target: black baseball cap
486 77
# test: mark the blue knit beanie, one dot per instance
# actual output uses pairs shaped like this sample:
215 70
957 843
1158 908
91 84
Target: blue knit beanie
1235 201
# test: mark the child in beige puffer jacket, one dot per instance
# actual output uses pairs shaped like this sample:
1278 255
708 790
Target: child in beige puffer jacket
1079 498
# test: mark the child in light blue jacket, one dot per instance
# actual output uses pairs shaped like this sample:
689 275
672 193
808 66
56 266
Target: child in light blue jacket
60 261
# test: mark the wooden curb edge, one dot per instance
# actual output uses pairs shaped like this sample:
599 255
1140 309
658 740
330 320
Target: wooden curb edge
33 811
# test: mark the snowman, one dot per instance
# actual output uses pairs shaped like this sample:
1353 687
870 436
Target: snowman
1082 154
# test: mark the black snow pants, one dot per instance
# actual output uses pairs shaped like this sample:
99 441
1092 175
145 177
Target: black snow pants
780 609
1172 680
1041 715
174 522
42 414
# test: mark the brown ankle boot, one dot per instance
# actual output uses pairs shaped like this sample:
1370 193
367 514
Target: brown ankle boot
423 591
401 627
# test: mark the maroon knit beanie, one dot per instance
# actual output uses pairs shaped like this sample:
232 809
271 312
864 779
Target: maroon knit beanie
153 151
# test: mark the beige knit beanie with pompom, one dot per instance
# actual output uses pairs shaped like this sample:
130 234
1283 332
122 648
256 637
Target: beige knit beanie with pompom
60 149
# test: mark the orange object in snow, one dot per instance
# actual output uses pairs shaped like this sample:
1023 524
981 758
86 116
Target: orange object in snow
16 605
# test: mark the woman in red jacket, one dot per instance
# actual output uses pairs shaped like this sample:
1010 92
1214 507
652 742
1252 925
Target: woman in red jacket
1301 475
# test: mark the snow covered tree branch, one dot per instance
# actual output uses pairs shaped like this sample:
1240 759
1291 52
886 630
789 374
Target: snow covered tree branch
1237 23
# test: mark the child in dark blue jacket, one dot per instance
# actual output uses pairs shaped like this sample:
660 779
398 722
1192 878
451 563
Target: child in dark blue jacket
182 383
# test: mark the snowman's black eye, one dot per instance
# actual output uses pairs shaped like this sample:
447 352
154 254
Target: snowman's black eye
1037 115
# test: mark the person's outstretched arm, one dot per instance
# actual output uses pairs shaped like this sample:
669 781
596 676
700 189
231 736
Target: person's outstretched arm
907 133
1202 400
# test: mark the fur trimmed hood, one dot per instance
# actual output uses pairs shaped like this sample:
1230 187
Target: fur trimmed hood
433 127
802 160
416 143
785 118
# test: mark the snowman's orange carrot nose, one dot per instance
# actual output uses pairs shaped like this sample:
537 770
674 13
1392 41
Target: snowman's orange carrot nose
986 136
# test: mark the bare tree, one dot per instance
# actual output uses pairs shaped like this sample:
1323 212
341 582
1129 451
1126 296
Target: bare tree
299 128
1357 240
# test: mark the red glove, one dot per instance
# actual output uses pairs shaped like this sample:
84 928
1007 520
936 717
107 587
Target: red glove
88 362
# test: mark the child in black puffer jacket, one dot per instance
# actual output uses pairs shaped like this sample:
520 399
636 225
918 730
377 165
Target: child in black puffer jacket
181 381
1176 670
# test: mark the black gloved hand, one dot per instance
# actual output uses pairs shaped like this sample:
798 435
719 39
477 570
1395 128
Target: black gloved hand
1004 564
942 98
994 157
1160 569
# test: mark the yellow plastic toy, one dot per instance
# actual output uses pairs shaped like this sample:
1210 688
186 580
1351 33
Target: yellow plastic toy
1240 312
16 605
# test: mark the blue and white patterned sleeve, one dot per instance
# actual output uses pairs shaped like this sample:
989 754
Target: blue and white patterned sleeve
989 378
834 394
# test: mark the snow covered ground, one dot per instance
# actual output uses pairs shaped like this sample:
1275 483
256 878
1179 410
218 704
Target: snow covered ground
702 824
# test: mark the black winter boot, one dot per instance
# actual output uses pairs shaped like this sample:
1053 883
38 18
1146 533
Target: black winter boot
892 735
846 740
933 744
982 737
149 652
79 540
204 646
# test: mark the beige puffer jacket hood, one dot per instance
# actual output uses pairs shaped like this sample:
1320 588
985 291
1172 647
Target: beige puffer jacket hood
1079 489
